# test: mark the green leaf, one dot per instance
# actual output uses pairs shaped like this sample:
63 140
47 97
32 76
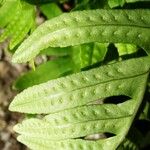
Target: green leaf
57 51
1 2
73 113
133 1
24 25
92 53
47 71
19 26
37 95
124 49
51 10
6 11
105 26
115 3
99 52
32 64
90 4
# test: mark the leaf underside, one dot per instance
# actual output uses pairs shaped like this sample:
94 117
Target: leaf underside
74 107
105 26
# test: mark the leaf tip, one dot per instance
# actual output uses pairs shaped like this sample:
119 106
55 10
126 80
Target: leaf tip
11 106
14 105
16 128
14 59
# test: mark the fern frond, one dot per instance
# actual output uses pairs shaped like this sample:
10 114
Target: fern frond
105 26
124 49
7 12
19 21
73 113
77 84
116 3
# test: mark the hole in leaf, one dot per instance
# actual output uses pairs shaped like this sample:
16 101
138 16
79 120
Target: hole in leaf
100 101
112 54
98 136
139 53
116 99
110 100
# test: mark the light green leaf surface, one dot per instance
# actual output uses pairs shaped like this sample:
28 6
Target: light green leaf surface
116 3
67 92
72 113
6 11
105 26
99 52
125 49
51 10
19 18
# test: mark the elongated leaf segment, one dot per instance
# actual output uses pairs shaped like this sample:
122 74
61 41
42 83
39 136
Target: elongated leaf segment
105 26
16 27
72 111
45 72
6 11
124 49
116 3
